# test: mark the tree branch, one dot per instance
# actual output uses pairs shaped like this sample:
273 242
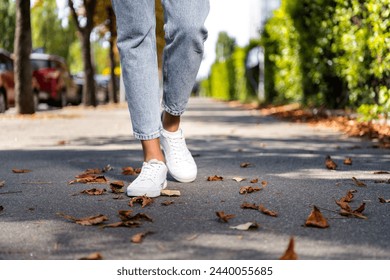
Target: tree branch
74 15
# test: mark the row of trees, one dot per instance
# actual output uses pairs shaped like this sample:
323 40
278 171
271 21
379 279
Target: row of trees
49 32
331 53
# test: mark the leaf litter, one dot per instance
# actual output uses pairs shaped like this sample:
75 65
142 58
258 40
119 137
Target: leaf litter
347 161
215 178
94 191
2 184
260 208
166 192
21 171
138 238
330 164
358 183
224 217
290 252
246 226
249 189
143 200
316 219
117 187
86 221
382 200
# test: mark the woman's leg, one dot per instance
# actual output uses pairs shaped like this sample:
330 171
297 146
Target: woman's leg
137 46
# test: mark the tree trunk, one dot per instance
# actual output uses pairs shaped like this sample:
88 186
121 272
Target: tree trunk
89 96
112 85
22 68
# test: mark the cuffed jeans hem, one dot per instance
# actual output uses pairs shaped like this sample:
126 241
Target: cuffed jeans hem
147 137
172 112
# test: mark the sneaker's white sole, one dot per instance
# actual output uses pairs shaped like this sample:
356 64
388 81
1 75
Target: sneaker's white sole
182 180
154 193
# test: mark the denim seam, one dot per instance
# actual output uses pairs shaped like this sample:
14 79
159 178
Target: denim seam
172 112
140 136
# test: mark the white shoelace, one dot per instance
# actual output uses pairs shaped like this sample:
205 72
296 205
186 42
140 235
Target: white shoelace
179 149
149 171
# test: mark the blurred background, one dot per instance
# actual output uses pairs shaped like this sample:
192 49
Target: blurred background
332 54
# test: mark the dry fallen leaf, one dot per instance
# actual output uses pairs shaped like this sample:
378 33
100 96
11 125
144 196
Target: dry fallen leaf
167 202
381 172
138 170
267 211
264 183
143 200
94 191
329 163
215 178
239 179
117 186
361 208
128 171
245 164
129 224
166 192
254 181
349 196
316 219
247 205
137 238
249 189
344 205
246 226
358 183
290 253
93 256
93 171
354 213
2 184
21 170
348 161
224 217
90 179
125 215
382 200
87 221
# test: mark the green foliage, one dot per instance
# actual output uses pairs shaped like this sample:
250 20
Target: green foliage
48 32
334 53
7 24
225 46
219 81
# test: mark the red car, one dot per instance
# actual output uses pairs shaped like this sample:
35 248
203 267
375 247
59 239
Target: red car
56 86
7 82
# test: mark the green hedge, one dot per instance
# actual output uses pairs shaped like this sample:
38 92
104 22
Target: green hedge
330 52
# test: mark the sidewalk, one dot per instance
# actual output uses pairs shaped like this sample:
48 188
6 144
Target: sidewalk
58 145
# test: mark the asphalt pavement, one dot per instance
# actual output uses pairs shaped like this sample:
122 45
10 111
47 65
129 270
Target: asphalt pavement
57 145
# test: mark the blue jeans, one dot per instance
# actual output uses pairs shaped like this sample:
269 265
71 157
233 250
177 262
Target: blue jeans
185 35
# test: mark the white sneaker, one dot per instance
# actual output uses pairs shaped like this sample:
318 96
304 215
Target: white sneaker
151 180
180 163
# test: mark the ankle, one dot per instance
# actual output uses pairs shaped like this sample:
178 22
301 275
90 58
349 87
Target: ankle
170 122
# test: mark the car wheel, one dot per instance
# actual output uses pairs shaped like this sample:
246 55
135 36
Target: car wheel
3 102
61 101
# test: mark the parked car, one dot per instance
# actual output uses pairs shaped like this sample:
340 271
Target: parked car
7 82
56 86
101 84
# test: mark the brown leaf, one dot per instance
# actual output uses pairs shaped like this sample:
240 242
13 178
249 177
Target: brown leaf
215 178
382 200
93 256
353 214
360 209
264 183
117 186
125 215
348 161
93 171
94 191
254 181
249 189
358 183
138 238
21 170
2 184
128 171
224 217
245 164
239 179
290 253
316 219
329 163
167 202
166 192
87 221
90 179
141 216
247 205
143 200
129 224
349 196
343 205
381 172
246 226
62 142
267 212
138 170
